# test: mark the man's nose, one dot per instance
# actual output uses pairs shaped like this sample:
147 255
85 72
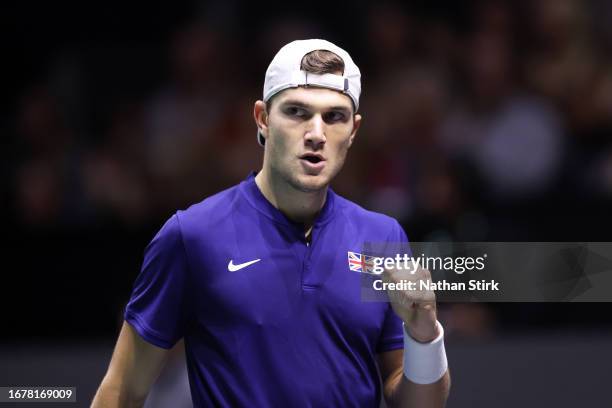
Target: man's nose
315 134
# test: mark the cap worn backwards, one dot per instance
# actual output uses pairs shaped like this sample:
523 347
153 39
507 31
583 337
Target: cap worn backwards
284 72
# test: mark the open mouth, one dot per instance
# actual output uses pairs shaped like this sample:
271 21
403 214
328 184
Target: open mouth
312 158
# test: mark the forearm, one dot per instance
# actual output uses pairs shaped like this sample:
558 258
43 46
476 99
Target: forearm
133 369
420 377
401 392
111 395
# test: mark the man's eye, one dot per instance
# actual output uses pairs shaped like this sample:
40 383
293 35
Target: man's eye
295 111
335 117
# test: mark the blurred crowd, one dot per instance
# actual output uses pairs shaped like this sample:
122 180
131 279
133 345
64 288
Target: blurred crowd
492 123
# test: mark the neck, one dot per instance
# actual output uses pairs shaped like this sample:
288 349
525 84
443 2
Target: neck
298 206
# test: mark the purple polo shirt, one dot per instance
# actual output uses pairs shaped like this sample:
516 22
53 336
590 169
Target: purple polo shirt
288 330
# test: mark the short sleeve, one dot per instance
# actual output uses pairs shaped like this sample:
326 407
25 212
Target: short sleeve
392 334
157 305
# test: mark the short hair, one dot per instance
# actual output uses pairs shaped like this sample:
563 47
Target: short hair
322 62
318 62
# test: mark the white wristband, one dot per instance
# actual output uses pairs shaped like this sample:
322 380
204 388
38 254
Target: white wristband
424 363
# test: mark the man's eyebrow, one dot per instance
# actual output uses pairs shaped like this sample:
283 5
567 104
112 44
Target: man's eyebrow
292 102
340 108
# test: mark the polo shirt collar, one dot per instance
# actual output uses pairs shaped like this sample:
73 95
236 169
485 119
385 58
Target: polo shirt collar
256 199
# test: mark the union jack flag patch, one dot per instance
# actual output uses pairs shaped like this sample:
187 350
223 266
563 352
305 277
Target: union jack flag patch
361 263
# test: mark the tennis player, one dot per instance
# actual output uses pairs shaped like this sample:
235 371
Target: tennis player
261 280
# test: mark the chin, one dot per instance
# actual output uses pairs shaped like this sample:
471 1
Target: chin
309 184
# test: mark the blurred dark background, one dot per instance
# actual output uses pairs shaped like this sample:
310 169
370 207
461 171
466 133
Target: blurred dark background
483 121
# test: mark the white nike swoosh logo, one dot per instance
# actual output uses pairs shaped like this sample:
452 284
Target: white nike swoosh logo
233 268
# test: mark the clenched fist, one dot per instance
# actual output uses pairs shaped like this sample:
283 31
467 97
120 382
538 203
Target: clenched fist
417 307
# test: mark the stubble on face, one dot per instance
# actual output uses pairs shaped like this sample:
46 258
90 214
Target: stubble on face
287 167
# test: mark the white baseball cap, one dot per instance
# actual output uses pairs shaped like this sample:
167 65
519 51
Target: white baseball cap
284 72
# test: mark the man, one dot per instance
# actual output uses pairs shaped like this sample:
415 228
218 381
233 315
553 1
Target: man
256 280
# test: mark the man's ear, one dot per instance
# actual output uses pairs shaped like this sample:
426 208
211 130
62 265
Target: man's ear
260 115
356 125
